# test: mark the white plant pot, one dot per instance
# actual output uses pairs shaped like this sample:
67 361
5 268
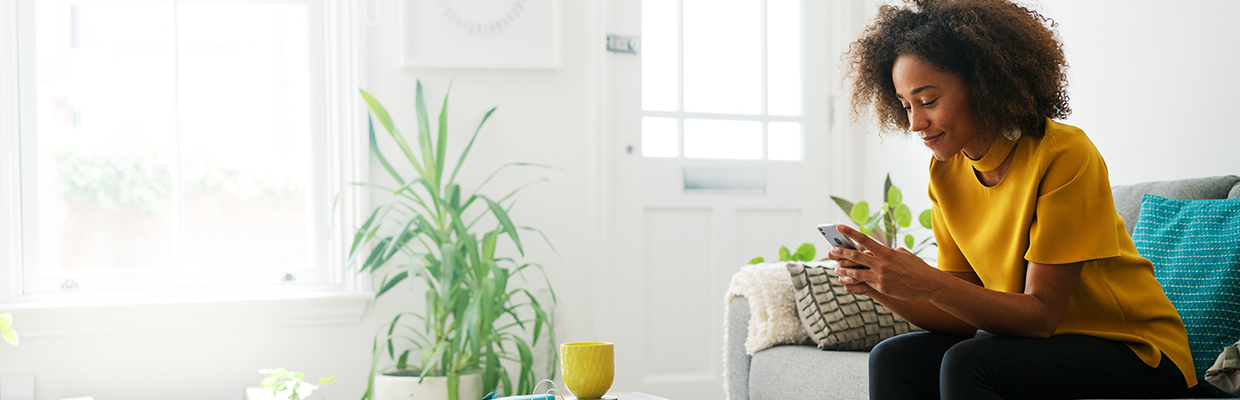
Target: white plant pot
431 388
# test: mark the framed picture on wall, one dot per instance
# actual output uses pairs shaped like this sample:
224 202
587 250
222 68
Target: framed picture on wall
502 34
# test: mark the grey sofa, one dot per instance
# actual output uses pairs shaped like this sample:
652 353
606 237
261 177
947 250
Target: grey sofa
804 372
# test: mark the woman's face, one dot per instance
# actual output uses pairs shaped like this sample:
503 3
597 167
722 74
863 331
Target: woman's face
938 109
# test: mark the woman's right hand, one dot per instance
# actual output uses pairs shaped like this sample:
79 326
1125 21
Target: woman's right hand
896 273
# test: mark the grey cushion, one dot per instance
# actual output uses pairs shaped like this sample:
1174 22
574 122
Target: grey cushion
1128 197
1235 192
804 372
836 319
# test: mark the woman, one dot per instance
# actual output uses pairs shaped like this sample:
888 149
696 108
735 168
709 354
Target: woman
1039 291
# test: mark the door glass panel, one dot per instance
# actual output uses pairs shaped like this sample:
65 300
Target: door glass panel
783 141
713 138
783 57
659 56
723 56
710 64
659 138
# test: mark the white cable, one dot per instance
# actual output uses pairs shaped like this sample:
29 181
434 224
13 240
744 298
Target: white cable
554 388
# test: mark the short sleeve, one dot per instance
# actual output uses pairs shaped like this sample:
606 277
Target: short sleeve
1074 220
950 258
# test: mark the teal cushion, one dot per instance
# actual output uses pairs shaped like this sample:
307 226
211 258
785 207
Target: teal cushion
1195 248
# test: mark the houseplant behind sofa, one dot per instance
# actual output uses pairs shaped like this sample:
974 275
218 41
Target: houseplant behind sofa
800 371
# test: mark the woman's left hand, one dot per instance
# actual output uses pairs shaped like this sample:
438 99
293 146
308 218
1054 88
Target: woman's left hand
894 272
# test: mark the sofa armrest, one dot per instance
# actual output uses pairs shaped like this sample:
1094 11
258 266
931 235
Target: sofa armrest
738 360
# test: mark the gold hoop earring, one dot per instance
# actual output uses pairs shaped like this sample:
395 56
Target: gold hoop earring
1012 133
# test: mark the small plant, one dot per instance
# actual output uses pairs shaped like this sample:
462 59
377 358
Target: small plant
6 325
805 252
285 384
884 225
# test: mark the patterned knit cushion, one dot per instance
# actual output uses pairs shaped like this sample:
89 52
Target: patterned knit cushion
1195 248
835 319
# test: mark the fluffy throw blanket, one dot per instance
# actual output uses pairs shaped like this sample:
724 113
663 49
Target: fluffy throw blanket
773 315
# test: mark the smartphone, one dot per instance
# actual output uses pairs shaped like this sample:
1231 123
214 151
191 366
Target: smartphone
836 238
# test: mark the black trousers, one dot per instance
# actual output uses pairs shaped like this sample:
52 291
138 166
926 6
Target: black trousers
939 366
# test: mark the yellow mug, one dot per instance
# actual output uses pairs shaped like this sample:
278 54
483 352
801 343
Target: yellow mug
588 368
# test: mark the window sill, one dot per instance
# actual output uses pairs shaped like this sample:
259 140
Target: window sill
83 317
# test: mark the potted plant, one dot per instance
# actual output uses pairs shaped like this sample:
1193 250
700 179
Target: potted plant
884 225
285 384
475 320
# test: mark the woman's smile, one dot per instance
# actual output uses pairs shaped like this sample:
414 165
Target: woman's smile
937 104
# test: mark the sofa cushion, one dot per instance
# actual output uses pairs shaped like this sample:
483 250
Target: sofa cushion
1195 248
836 319
1128 197
1225 373
803 372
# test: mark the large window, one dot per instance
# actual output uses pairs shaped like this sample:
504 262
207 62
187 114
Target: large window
722 79
176 146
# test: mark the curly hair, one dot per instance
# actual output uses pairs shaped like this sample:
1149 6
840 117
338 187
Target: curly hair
1009 57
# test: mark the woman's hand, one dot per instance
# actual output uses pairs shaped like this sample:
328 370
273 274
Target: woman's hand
896 273
852 285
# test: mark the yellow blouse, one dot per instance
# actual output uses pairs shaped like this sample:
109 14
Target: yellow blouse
1054 206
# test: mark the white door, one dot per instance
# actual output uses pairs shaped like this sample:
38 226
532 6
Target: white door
719 136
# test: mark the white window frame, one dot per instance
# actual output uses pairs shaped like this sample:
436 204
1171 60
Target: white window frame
343 300
763 116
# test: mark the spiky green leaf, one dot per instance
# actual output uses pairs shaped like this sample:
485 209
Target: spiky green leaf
461 160
374 149
424 141
442 142
505 222
385 119
388 284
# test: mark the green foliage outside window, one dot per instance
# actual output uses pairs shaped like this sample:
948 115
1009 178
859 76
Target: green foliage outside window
143 179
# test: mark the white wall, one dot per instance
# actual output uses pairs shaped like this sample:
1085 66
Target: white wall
1149 82
1153 84
544 117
